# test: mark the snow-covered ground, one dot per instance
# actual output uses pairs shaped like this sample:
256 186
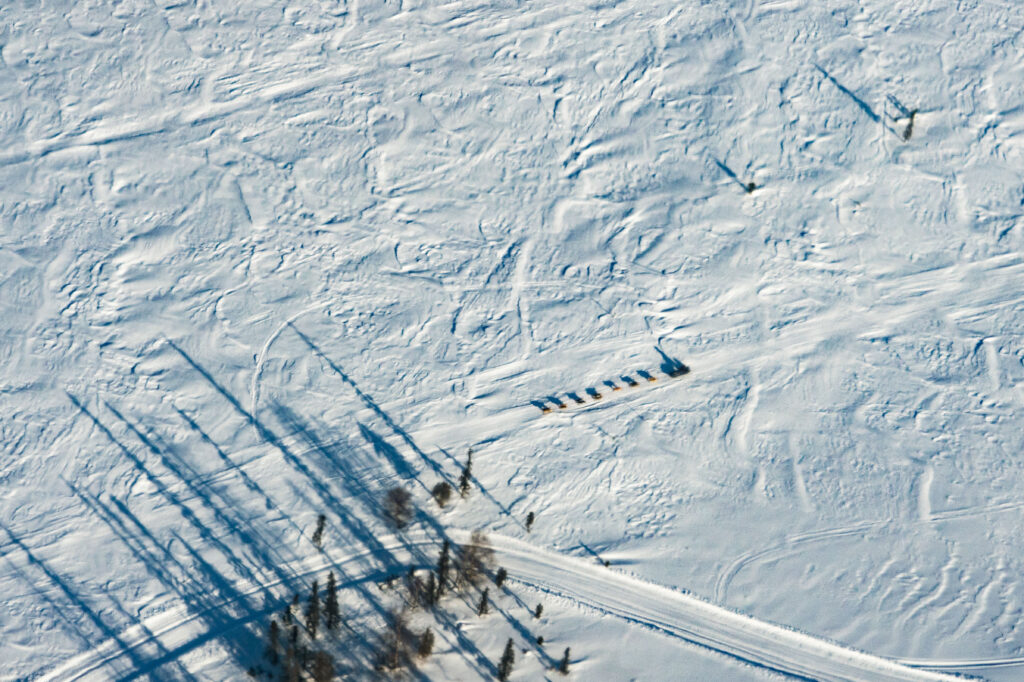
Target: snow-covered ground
262 261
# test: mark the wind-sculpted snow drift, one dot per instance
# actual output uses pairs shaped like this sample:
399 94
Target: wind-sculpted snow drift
285 257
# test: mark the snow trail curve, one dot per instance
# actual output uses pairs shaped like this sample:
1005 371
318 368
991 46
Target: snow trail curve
665 610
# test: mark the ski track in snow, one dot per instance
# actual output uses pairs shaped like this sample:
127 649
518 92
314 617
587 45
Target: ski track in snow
473 206
672 613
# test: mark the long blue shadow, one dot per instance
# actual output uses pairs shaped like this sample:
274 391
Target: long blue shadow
860 103
76 600
370 403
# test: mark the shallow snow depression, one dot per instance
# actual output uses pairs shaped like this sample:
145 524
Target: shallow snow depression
260 262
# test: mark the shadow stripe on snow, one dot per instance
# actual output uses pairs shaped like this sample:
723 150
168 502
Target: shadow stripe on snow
669 611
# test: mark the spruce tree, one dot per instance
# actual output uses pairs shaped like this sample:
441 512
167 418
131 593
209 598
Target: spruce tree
431 589
540 640
508 659
318 534
313 611
530 518
286 614
331 611
467 471
499 579
481 610
275 642
563 667
426 646
443 566
539 610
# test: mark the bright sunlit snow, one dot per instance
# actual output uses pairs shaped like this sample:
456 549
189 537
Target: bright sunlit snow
261 261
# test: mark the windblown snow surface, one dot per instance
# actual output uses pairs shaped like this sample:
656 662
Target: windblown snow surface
260 261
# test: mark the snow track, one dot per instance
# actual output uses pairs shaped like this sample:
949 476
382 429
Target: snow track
686 617
377 232
667 611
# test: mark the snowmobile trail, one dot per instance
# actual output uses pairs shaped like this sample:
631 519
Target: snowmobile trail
667 611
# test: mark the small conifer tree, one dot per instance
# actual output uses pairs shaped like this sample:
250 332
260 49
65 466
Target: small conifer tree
443 566
331 610
481 609
539 610
530 518
275 642
426 645
431 591
508 659
288 613
563 667
467 472
313 610
500 577
318 534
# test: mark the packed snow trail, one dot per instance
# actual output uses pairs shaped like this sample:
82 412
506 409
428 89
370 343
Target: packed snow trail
686 617
665 610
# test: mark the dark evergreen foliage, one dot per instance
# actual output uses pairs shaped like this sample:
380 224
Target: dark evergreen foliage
431 592
274 644
443 567
481 609
467 472
313 611
318 534
426 645
331 611
563 667
508 659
